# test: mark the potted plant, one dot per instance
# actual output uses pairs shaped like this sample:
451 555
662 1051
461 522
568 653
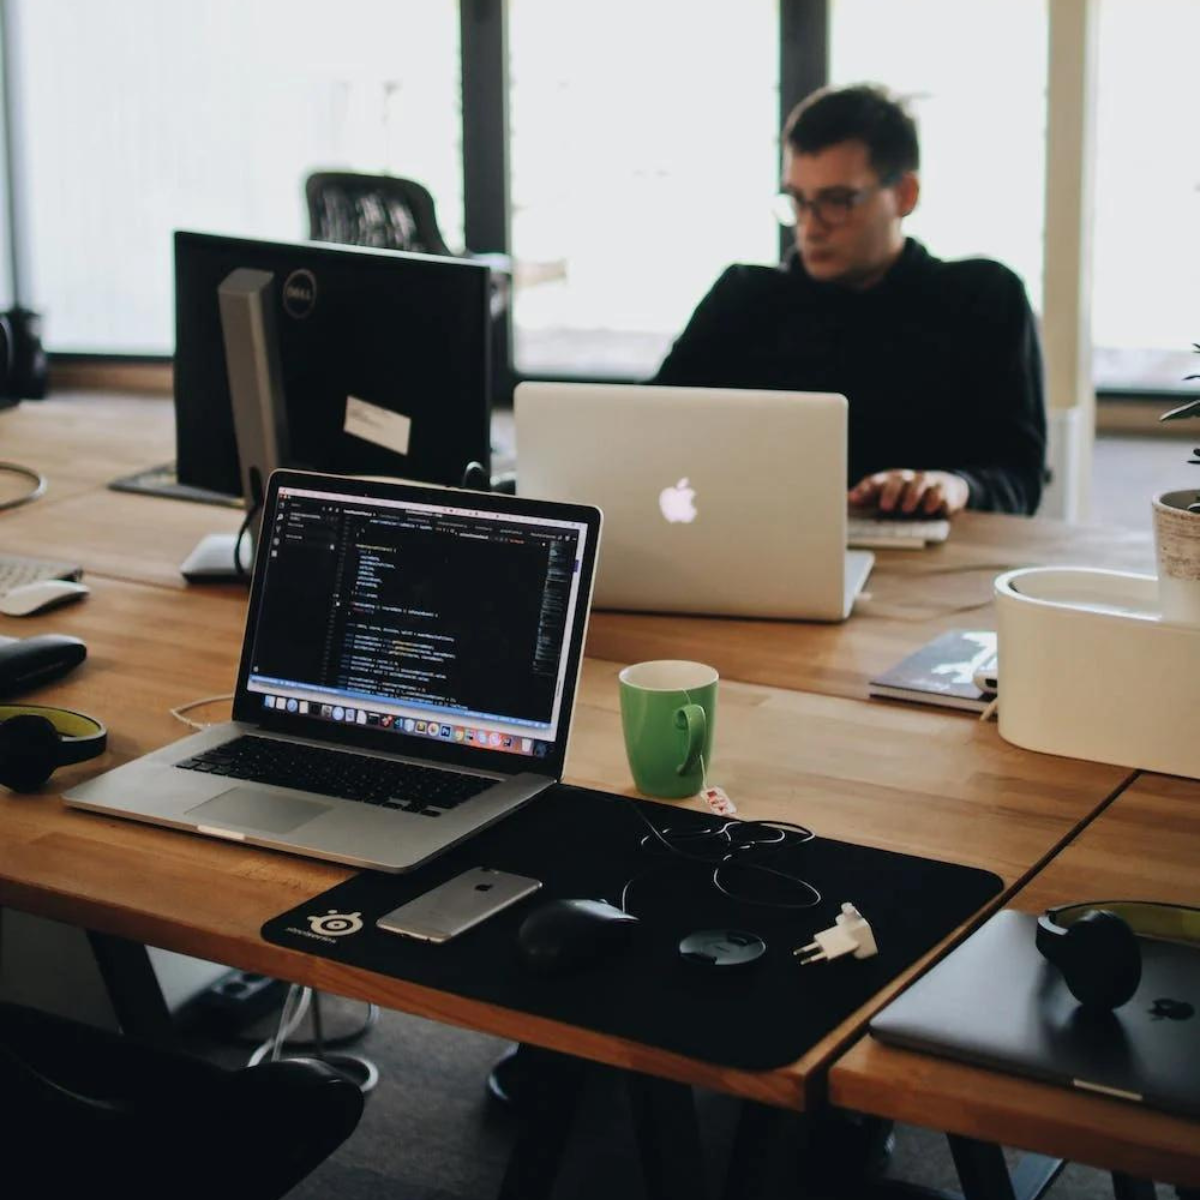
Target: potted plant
1177 537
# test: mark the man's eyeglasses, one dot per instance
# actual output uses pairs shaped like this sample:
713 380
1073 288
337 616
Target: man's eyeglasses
831 207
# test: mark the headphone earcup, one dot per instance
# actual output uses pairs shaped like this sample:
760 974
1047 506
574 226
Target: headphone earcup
29 752
1100 960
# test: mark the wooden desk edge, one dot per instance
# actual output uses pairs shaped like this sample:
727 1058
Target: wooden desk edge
936 1093
783 1087
796 1086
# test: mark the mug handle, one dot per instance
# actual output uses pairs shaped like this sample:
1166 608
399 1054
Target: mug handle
692 718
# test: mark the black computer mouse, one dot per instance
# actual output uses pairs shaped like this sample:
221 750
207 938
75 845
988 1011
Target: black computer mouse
564 935
32 661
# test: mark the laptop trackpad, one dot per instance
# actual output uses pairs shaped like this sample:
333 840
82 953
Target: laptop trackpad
249 808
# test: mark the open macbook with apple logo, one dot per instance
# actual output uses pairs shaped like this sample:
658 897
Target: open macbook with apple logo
722 501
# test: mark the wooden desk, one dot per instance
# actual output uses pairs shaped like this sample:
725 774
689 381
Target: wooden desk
1144 846
145 538
82 441
922 781
911 597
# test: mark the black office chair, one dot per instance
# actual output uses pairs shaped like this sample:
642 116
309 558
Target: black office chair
391 213
87 1109
373 210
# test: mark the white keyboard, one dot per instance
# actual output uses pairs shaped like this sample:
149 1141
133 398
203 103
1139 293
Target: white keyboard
894 533
17 569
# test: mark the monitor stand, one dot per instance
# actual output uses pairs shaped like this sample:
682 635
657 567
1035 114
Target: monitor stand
259 418
163 481
211 561
477 479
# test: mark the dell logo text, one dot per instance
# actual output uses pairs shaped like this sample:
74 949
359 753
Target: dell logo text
299 294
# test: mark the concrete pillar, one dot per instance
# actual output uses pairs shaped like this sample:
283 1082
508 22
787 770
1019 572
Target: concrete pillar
1067 278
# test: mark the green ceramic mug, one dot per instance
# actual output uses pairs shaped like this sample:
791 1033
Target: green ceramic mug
668 710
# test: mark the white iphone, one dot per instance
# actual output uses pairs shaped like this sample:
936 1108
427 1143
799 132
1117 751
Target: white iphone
458 904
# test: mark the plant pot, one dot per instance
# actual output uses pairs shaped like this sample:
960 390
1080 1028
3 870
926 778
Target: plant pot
1177 545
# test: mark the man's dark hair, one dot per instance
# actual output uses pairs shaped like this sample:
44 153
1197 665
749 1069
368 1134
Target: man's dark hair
861 113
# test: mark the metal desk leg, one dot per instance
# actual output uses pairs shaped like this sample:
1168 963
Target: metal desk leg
981 1168
768 1152
984 1175
133 988
668 1138
550 1095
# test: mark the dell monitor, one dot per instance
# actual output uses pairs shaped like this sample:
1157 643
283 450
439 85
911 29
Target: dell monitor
384 359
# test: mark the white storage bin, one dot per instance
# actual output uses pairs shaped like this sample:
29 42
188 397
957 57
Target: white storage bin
1089 669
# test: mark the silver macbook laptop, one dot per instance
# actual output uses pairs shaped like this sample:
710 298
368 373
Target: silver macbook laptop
407 675
996 1002
715 501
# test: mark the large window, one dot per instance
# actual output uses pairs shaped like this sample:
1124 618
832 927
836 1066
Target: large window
138 117
975 78
644 161
1146 298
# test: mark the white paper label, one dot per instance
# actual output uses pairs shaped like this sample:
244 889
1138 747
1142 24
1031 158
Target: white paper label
378 425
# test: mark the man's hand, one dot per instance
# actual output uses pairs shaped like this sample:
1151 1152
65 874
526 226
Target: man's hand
911 493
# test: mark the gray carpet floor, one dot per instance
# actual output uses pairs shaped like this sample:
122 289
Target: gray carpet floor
431 1132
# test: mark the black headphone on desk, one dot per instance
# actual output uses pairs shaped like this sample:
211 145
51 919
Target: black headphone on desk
1095 945
36 740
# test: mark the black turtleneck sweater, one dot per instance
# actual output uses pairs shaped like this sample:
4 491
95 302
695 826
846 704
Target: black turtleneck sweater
939 360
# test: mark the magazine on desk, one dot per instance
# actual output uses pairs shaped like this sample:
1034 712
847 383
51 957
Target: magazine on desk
942 672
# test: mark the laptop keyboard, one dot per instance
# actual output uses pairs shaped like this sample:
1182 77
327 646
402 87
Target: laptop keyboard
380 781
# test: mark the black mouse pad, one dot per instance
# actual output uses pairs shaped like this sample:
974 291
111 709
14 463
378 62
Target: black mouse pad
589 844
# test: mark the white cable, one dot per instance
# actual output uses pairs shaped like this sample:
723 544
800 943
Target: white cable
302 997
289 1022
34 476
177 713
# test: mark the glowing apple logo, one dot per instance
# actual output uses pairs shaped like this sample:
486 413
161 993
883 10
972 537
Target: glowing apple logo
678 502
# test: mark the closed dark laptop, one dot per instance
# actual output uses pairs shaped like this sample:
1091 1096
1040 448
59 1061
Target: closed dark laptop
407 676
996 1002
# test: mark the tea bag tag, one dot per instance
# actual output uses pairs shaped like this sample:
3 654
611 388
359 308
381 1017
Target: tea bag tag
718 801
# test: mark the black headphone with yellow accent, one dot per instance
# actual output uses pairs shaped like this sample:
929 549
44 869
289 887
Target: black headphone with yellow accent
36 740
1095 945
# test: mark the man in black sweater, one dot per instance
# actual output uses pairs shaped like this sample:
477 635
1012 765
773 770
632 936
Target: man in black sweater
939 360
